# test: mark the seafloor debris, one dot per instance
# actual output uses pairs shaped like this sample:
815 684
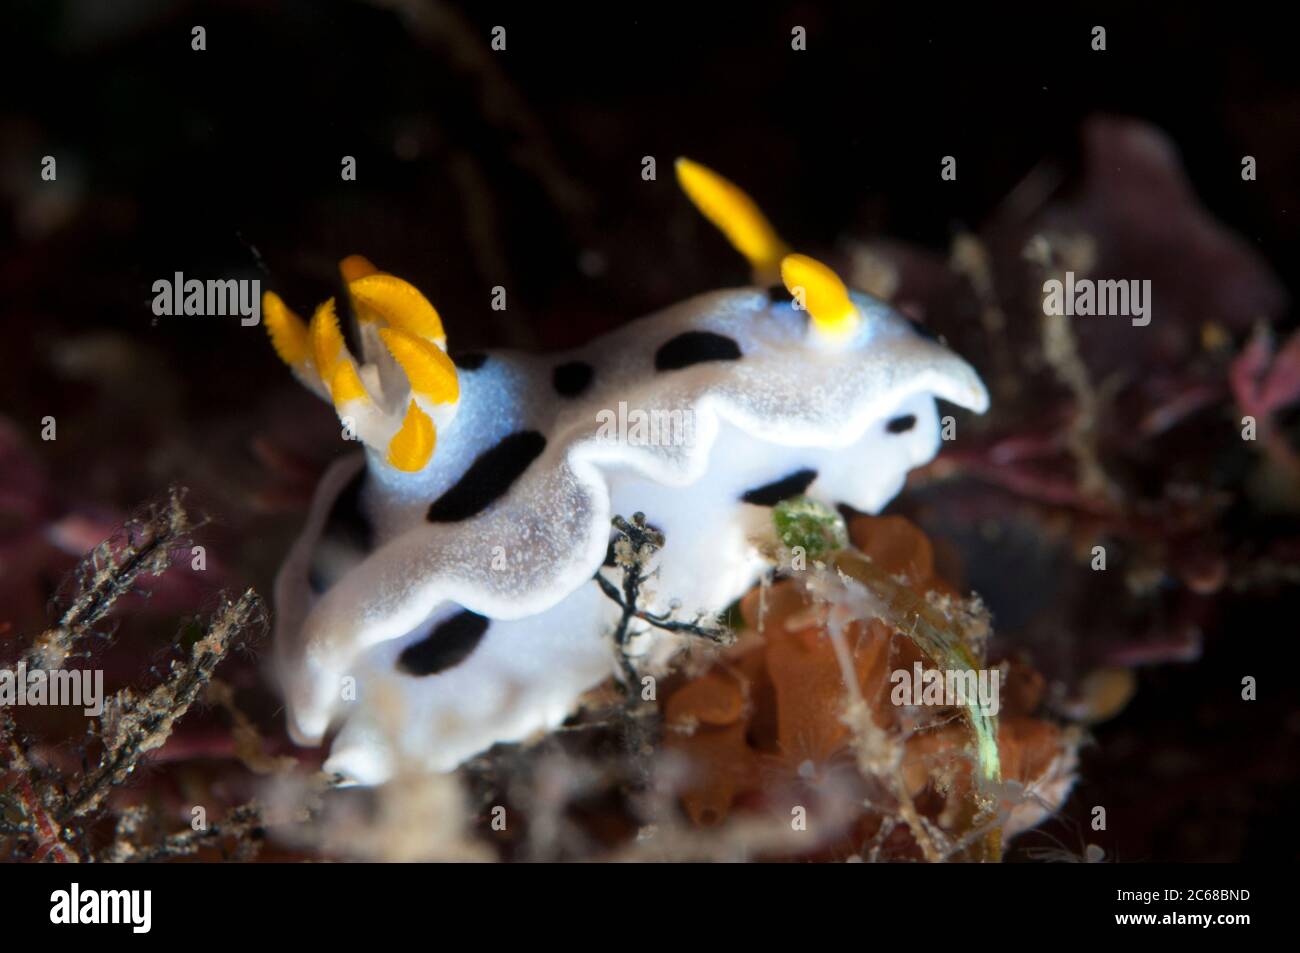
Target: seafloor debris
799 716
48 809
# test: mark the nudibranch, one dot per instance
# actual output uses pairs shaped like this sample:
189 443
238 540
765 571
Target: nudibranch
442 596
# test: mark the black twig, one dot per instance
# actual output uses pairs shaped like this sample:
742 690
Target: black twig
635 546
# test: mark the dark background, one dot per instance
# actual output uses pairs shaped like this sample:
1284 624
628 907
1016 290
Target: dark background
523 169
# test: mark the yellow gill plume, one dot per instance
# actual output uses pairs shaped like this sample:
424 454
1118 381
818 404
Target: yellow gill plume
288 331
411 448
430 371
356 266
334 363
326 339
411 331
398 304
401 331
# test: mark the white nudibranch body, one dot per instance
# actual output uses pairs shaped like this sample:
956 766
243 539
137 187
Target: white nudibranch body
442 596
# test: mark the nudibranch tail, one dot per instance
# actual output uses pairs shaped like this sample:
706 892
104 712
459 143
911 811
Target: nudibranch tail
818 289
405 381
737 216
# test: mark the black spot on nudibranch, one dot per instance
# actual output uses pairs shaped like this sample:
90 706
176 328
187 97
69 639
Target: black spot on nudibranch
695 347
488 478
924 330
573 378
901 424
449 644
770 494
469 361
316 579
345 537
346 522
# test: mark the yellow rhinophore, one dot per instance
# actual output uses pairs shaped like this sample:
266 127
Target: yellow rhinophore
412 446
428 368
820 290
288 331
724 204
399 304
